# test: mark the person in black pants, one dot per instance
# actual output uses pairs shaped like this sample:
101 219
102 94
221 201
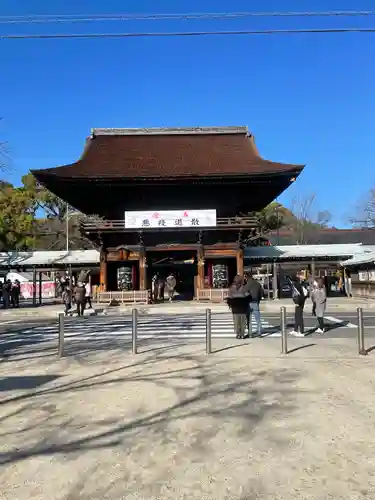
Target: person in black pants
254 290
299 294
238 302
80 298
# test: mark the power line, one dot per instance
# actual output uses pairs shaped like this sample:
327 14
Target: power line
188 33
70 18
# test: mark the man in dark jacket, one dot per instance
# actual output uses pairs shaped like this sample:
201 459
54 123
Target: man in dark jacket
254 289
7 293
299 295
15 293
238 302
80 298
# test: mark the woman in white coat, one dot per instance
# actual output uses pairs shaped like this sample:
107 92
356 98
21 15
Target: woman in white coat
319 298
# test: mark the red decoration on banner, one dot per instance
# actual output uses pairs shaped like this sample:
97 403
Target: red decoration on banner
155 215
186 214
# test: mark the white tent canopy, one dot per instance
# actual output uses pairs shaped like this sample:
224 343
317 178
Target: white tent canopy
360 259
308 252
49 258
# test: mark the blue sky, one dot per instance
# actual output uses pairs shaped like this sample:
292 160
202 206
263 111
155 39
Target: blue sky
306 98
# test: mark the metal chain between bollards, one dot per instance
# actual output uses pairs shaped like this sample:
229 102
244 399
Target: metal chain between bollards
61 335
361 333
208 332
134 330
284 333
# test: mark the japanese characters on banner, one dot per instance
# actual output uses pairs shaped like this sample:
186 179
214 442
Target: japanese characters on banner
48 290
170 218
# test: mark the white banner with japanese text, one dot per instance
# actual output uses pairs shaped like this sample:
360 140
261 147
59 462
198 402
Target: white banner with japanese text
144 219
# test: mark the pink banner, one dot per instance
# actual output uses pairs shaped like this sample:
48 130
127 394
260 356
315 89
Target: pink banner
48 290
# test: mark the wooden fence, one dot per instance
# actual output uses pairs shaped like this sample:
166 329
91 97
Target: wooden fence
128 297
212 294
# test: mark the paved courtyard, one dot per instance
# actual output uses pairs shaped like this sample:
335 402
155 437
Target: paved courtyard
171 423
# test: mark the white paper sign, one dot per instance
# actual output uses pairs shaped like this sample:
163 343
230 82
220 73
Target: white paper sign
170 218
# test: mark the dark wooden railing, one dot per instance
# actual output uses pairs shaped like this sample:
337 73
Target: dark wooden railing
233 223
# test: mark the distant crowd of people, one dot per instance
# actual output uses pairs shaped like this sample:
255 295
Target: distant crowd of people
246 293
10 292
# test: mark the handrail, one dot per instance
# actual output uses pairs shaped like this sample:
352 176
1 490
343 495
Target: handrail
119 224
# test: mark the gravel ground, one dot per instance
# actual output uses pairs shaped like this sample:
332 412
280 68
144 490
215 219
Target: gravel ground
171 423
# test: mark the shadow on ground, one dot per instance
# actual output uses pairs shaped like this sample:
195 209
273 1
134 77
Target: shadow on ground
207 397
25 382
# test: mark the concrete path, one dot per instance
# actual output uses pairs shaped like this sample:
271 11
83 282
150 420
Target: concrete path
105 333
51 311
171 423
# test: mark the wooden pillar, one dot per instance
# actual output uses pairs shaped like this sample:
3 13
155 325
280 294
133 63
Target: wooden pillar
239 258
210 272
103 271
142 270
313 270
134 276
200 265
275 281
34 287
40 288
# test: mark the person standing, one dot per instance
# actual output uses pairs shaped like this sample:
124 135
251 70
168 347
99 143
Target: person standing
171 286
80 298
299 295
161 287
88 294
16 292
319 299
238 302
254 289
7 293
155 288
67 298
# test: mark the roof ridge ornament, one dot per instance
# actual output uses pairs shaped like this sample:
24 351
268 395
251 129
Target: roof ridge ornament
170 131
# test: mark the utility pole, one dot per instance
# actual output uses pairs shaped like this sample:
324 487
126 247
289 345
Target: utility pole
68 267
278 228
67 227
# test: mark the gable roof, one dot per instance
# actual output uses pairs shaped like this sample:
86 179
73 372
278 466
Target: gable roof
169 153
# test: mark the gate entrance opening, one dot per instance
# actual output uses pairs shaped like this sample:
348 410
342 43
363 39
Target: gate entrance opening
182 264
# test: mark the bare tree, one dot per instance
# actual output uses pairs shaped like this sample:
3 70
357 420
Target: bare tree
51 233
365 216
306 221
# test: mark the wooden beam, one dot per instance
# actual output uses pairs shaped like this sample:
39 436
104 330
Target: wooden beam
103 271
220 253
142 270
200 262
172 248
239 259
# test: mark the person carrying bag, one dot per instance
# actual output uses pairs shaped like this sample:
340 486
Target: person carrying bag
238 301
299 296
